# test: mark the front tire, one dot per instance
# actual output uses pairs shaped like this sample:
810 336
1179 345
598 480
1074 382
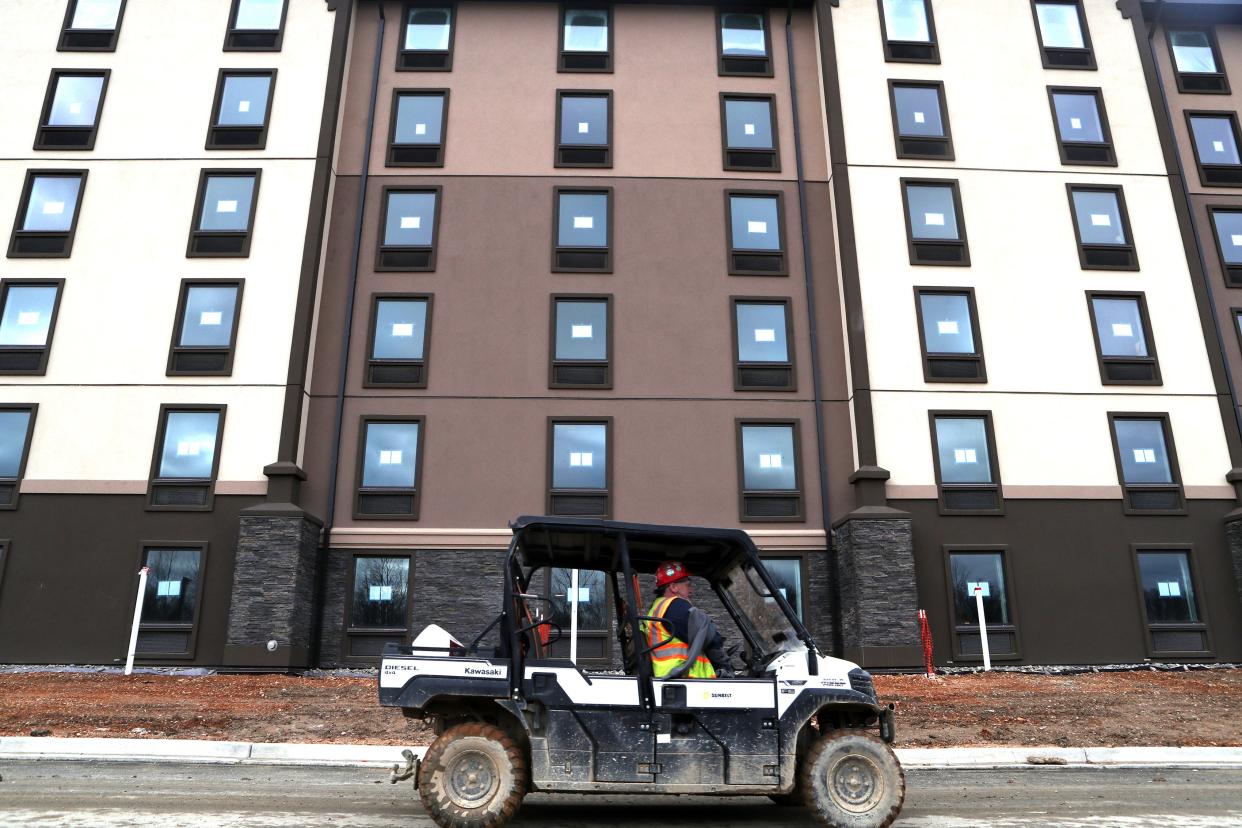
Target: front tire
852 780
473 776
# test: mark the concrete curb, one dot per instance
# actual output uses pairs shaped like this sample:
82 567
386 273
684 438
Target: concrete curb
375 756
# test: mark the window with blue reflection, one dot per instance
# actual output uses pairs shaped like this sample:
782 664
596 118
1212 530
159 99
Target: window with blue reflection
410 220
14 429
932 212
1144 455
53 201
906 20
742 35
1229 231
226 203
787 575
918 111
75 103
172 586
427 30
189 449
26 318
96 14
1168 589
1059 26
586 30
209 313
381 592
1119 326
962 443
258 15
243 102
584 120
755 221
984 572
400 329
1192 52
389 455
748 123
581 329
583 220
761 334
579 456
1215 140
768 462
1098 214
420 118
946 323
1078 117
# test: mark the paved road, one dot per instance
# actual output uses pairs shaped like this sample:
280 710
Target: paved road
169 796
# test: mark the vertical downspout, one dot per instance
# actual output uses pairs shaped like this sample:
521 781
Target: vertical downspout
329 517
838 635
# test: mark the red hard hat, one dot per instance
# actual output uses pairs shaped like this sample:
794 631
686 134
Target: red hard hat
670 572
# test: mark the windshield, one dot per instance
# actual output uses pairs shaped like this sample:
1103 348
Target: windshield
758 610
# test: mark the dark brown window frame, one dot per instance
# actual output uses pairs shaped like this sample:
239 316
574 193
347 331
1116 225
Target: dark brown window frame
763 67
14 495
1013 628
1129 489
931 359
565 59
1151 361
88 40
64 237
797 494
419 367
241 238
605 253
736 257
605 495
429 263
1066 149
908 146
962 242
437 156
558 156
1100 252
1219 79
253 40
10 354
415 494
258 135
787 369
554 364
945 491
176 351
86 135
436 61
208 485
773 156
1227 175
1231 274
191 629
931 47
1149 629
1050 54
349 632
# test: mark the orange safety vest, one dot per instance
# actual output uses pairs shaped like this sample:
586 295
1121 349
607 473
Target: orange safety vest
668 656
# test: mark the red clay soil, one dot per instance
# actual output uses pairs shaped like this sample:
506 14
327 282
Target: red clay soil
1098 709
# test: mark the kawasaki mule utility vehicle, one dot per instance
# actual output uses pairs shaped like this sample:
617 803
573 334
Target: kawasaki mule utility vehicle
790 723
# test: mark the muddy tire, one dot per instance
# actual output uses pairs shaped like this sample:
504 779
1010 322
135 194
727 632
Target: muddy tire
852 780
473 776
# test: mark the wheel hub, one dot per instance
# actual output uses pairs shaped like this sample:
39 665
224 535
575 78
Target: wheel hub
472 779
855 783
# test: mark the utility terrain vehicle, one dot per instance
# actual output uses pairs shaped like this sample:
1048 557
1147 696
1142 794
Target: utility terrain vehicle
792 724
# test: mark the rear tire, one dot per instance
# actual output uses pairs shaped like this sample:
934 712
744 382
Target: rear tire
852 780
473 776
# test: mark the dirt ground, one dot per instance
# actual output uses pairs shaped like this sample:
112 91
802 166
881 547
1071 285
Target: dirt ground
1097 709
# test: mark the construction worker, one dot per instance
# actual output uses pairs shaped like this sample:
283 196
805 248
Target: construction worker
681 622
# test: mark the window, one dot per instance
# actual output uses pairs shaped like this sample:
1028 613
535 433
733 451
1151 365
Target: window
224 213
964 451
170 603
581 342
71 109
909 31
1214 136
749 127
410 219
1227 225
47 215
16 426
981 571
579 467
756 225
920 120
582 220
762 350
419 121
744 42
1083 136
427 38
187 457
379 605
768 466
390 460
949 334
1175 621
787 574
1064 41
91 26
1197 62
242 110
586 39
1147 464
1102 228
1123 340
256 26
936 232
28 310
594 624
400 338
205 328
583 128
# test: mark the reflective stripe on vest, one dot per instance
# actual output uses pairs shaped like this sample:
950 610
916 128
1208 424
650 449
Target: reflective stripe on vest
672 653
